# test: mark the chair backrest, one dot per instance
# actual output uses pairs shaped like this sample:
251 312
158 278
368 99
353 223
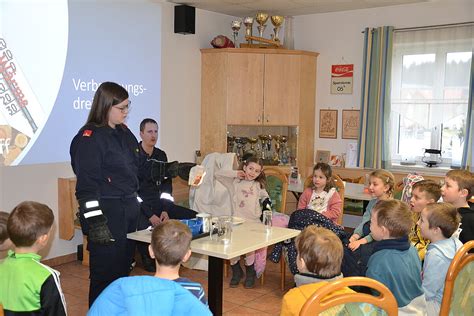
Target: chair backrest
458 283
340 188
277 187
319 301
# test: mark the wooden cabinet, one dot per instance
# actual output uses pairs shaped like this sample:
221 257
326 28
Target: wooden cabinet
258 87
245 89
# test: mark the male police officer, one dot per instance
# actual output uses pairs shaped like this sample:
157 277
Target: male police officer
156 192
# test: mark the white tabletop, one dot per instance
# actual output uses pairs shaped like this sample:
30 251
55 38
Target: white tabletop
356 191
246 237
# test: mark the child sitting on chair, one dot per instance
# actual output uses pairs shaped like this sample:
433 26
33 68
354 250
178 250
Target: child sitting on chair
322 196
319 262
423 193
27 286
246 188
438 222
394 262
165 293
458 189
5 242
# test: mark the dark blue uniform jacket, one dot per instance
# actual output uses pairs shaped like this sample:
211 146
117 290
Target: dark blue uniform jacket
105 161
149 191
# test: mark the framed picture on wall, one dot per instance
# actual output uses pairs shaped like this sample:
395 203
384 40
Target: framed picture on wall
350 124
327 123
322 156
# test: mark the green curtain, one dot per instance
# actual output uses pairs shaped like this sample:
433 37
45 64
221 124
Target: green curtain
373 146
467 157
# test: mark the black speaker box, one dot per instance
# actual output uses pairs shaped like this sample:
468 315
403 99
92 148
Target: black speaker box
184 19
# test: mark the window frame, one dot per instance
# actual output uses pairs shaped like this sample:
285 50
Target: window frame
441 50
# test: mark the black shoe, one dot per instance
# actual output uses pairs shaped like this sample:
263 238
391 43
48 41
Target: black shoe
237 274
148 264
250 276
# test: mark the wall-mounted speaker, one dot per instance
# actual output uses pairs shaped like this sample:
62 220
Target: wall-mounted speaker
184 19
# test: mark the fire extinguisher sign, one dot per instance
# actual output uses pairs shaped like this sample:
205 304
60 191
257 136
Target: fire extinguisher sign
341 79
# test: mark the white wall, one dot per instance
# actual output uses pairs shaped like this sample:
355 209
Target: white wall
179 128
180 120
338 39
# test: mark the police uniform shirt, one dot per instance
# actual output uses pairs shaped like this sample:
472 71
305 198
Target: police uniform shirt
149 191
105 161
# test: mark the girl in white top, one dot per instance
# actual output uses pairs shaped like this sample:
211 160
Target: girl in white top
246 188
322 196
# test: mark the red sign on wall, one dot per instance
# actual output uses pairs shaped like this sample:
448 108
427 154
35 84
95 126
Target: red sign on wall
341 79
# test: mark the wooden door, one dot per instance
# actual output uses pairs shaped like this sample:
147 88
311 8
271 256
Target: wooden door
244 77
281 89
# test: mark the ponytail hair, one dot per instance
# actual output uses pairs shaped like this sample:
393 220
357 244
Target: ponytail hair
386 177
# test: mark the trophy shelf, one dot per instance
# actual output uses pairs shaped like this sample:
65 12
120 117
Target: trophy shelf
263 92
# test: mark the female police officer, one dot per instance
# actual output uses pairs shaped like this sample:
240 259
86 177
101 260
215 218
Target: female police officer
104 157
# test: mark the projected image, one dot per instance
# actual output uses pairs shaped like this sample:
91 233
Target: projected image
51 66
32 59
22 114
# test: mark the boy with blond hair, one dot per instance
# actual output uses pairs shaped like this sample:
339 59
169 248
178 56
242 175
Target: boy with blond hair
394 262
424 192
437 223
165 293
170 246
319 261
457 189
28 286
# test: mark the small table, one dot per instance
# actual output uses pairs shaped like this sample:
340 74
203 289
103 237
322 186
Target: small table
356 191
246 237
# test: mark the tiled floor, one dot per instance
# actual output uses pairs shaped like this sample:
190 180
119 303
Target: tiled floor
261 300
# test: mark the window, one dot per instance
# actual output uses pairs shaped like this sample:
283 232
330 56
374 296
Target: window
430 92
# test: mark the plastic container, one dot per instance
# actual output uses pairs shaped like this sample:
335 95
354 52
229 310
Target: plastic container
194 225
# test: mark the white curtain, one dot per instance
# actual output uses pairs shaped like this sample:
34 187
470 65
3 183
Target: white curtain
428 94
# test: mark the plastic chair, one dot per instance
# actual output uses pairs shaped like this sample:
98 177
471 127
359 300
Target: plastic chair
340 188
319 302
458 296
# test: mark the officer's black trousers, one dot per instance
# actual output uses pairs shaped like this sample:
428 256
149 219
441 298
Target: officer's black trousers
112 261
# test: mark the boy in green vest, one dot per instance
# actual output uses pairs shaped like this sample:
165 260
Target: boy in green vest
27 285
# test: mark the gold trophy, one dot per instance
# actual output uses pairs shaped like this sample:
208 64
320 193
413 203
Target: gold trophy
235 29
277 21
261 19
248 22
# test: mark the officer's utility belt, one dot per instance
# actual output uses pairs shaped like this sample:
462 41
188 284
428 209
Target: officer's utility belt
119 197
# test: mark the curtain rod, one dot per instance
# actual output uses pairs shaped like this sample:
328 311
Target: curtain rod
433 26
406 29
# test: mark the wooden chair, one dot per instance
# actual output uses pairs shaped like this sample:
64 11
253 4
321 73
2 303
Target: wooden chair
319 302
458 296
277 187
340 188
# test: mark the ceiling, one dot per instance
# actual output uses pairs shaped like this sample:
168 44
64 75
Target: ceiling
243 8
